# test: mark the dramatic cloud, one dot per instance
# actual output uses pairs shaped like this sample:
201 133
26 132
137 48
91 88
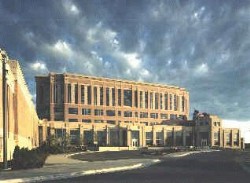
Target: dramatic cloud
197 44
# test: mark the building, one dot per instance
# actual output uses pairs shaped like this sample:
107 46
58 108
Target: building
118 113
21 118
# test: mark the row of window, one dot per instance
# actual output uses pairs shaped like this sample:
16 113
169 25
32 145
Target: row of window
100 112
146 99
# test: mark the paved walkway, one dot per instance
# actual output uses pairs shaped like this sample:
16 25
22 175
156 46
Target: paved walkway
60 166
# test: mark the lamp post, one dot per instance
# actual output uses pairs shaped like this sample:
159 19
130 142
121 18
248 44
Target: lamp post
5 160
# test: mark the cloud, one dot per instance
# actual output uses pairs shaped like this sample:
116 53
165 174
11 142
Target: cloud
191 44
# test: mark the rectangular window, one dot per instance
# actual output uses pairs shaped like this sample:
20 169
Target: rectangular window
166 101
183 103
101 95
86 120
73 120
173 116
171 101
69 93
76 93
55 93
127 98
236 139
127 113
82 94
164 116
136 114
113 96
89 95
110 112
98 121
98 112
119 97
146 100
154 115
151 100
111 122
161 101
86 111
136 98
119 113
149 138
141 99
175 102
73 110
107 96
143 115
95 95
216 138
156 100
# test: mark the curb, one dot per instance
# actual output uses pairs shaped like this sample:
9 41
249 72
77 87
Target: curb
81 173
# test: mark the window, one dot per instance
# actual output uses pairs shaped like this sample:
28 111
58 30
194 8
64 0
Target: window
111 122
146 100
107 96
161 101
143 115
86 120
216 138
127 98
136 98
89 95
159 139
183 103
164 116
73 110
236 139
73 120
136 114
141 99
82 94
154 115
119 113
95 95
175 102
228 139
98 121
166 101
127 113
98 112
101 95
151 100
173 116
69 93
110 112
113 96
55 93
149 138
156 100
171 101
76 93
119 97
74 136
86 111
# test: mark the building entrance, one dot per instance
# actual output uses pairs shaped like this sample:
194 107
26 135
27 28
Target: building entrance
135 143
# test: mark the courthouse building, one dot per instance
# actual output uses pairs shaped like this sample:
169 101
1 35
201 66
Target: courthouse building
20 114
109 112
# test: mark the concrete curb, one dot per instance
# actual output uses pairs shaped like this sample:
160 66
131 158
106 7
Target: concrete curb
81 173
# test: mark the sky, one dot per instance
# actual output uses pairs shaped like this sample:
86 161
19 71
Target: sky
202 46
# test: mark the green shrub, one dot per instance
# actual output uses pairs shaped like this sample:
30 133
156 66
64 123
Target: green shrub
24 158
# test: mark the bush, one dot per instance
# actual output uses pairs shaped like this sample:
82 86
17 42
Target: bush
24 158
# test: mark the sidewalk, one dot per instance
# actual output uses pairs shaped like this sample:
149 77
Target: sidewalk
60 167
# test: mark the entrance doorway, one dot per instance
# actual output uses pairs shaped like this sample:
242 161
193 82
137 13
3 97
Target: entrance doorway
135 143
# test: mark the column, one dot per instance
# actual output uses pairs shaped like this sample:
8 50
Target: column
154 135
164 136
128 137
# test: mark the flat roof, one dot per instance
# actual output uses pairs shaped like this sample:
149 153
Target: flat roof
110 79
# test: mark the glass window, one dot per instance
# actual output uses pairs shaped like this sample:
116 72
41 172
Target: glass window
183 103
98 121
151 100
164 116
136 98
107 96
73 110
110 112
171 101
119 97
154 115
86 111
111 122
141 99
98 112
156 100
82 94
76 93
89 95
143 115
95 95
69 93
101 95
127 113
149 138
173 116
113 96
146 100
73 120
166 101
127 98
175 103
86 120
161 101
119 113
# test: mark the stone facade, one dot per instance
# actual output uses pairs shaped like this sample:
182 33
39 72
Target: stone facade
22 120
